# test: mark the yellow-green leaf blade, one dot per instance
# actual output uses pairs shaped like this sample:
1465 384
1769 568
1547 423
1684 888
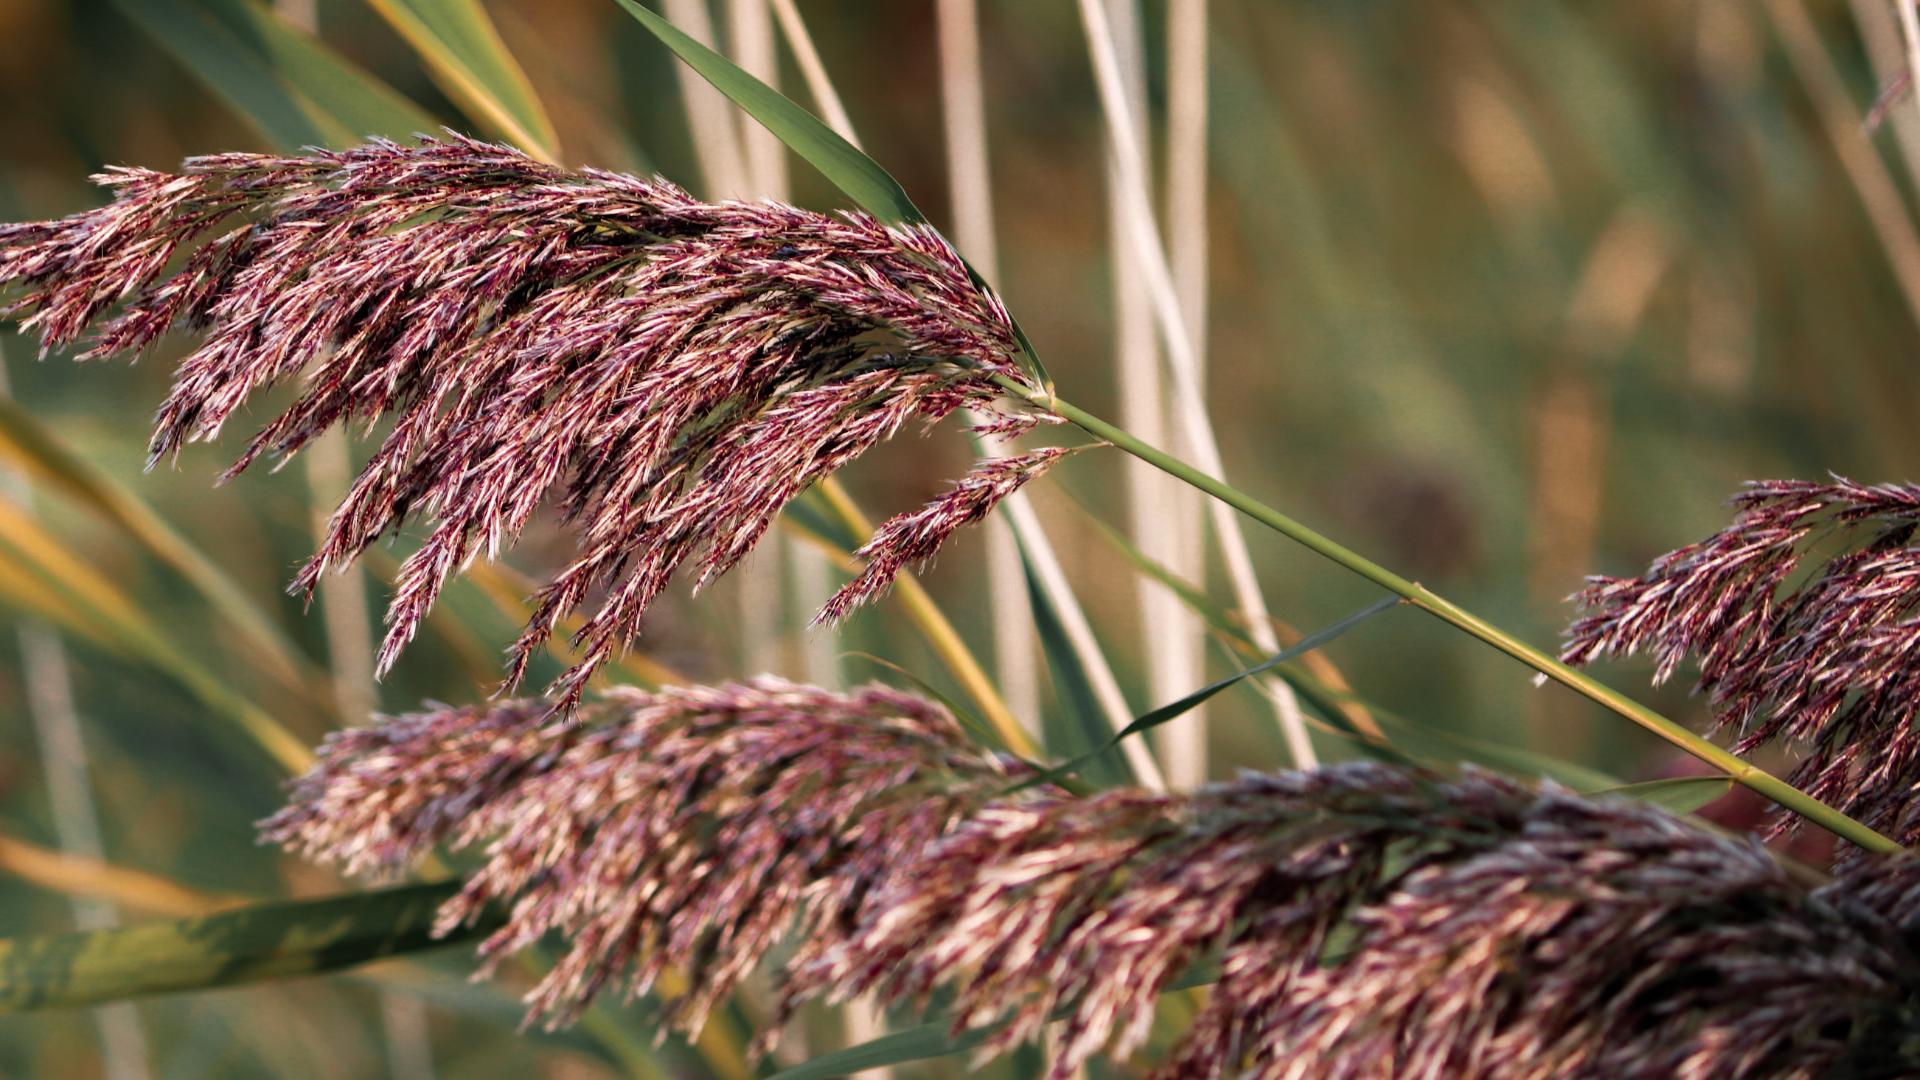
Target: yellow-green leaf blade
263 941
90 604
1680 794
861 177
463 50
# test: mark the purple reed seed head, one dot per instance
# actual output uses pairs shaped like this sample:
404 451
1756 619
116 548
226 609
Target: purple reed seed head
912 540
693 828
1804 616
672 372
1365 920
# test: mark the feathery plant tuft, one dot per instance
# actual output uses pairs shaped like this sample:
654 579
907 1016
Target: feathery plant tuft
1365 919
676 371
1804 614
686 828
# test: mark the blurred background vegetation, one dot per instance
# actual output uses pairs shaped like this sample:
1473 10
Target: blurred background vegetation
1502 294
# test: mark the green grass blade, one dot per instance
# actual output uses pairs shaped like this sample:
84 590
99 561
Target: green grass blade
1173 710
1081 731
294 89
850 170
1432 747
1681 795
264 941
931 1040
920 1043
463 50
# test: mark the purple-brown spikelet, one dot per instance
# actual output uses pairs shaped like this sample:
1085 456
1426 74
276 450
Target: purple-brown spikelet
914 539
1366 921
672 371
1804 614
691 828
1375 923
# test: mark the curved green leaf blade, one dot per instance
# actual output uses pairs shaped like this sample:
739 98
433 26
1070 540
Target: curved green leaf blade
1430 746
1681 795
1174 709
861 177
1081 732
294 89
462 48
264 941
897 1048
932 1040
1307 644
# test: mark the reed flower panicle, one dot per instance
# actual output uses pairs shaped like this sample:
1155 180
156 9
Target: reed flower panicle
914 539
1804 614
693 827
1366 920
672 371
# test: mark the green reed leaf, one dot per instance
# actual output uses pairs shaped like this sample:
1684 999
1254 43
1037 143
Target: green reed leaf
1175 709
263 941
294 89
1682 795
460 46
1305 645
920 1043
1081 731
850 170
930 1040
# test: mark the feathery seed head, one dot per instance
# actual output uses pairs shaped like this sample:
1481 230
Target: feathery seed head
673 371
691 828
1366 920
1804 614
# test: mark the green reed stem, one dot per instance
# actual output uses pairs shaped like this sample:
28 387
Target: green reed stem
1454 615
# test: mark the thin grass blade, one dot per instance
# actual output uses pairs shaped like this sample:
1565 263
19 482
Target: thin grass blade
1682 795
463 50
853 172
1175 709
1079 729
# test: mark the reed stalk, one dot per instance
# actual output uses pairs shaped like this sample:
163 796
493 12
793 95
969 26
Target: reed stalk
969 183
1183 368
1419 596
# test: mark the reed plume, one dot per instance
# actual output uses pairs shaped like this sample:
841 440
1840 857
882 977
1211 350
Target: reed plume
672 371
689 828
914 539
1804 614
1366 920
